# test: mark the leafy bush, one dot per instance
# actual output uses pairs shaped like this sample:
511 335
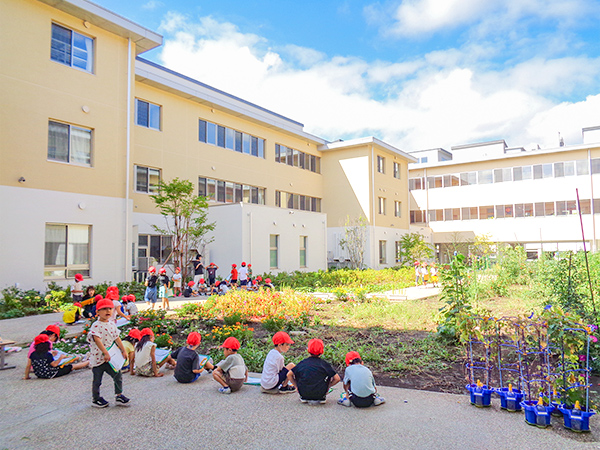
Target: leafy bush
240 331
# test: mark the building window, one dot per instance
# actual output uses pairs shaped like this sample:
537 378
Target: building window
380 164
146 180
296 158
153 249
415 184
67 251
382 252
486 212
417 216
70 144
71 48
396 170
211 133
381 202
303 245
297 201
274 250
398 251
398 209
147 114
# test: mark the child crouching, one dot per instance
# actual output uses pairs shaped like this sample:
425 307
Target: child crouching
231 373
359 384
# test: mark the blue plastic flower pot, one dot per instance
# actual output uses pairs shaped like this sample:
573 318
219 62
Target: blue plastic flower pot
577 420
535 415
480 396
510 401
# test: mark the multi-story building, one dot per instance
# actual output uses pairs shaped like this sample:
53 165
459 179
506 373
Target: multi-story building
89 128
511 195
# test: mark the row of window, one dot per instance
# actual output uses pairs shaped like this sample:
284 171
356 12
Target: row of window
296 158
535 172
381 202
381 167
274 251
228 192
540 209
297 201
224 137
383 252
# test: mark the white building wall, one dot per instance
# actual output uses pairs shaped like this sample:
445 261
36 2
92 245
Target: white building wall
22 234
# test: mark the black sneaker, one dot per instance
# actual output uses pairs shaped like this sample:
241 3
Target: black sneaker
121 400
288 389
100 403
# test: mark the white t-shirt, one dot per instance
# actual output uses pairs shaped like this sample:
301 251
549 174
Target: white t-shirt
243 273
117 306
176 279
143 357
274 362
108 333
132 308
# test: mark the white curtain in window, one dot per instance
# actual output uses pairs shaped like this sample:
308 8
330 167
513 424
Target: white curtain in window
55 245
81 144
79 239
58 141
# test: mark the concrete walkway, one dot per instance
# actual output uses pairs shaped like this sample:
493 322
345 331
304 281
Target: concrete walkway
57 414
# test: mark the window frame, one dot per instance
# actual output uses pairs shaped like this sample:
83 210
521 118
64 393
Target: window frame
382 252
70 127
151 107
397 173
151 188
303 251
381 205
67 268
274 251
73 35
380 164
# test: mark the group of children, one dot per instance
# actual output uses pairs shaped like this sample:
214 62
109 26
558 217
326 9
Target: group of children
425 274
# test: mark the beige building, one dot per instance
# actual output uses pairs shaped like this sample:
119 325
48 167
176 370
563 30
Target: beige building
89 128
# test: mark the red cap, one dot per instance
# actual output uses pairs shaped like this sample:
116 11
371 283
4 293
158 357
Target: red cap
249 265
78 277
97 298
104 303
267 280
131 298
125 298
281 337
315 347
201 280
190 283
231 343
259 278
112 293
146 332
217 283
162 270
351 356
254 283
177 268
194 338
41 338
135 334
243 264
54 329
234 265
77 304
152 269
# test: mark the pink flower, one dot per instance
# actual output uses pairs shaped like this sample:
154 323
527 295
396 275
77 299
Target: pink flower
593 338
582 358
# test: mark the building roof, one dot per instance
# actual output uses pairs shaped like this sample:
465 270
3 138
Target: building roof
103 18
369 140
168 80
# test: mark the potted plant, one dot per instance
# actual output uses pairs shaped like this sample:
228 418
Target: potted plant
576 409
510 399
537 413
481 395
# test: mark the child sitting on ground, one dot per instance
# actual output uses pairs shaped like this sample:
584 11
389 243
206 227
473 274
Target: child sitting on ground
89 302
231 373
214 290
129 341
189 290
103 333
223 288
188 367
359 384
274 375
202 287
130 306
145 356
43 363
112 294
313 376
268 284
72 313
53 333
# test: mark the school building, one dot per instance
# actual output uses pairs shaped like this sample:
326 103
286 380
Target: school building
89 128
514 196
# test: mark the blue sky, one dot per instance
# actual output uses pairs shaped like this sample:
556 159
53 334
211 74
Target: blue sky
415 73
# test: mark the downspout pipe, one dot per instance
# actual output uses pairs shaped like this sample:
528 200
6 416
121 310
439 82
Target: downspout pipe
127 267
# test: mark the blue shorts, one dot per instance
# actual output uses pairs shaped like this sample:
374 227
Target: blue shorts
150 295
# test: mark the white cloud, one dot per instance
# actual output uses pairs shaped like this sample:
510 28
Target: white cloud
152 5
442 99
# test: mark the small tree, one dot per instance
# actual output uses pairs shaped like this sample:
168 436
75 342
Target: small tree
355 240
413 247
186 216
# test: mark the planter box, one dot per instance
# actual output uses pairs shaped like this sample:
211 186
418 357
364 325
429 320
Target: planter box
510 401
539 417
577 421
480 396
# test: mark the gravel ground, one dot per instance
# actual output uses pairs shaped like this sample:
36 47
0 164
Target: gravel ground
56 414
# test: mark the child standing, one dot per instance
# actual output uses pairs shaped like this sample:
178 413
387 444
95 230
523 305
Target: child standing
231 373
43 363
188 367
150 294
313 376
243 275
164 284
359 384
233 278
145 356
103 333
274 375
211 271
177 282
77 291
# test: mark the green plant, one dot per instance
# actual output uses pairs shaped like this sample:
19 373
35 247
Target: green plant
235 317
163 340
240 331
457 307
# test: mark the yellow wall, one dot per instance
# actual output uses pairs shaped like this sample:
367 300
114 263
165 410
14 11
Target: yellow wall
392 189
176 150
36 89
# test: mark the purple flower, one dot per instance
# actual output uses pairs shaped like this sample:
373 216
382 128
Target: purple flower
530 316
547 307
593 327
582 358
